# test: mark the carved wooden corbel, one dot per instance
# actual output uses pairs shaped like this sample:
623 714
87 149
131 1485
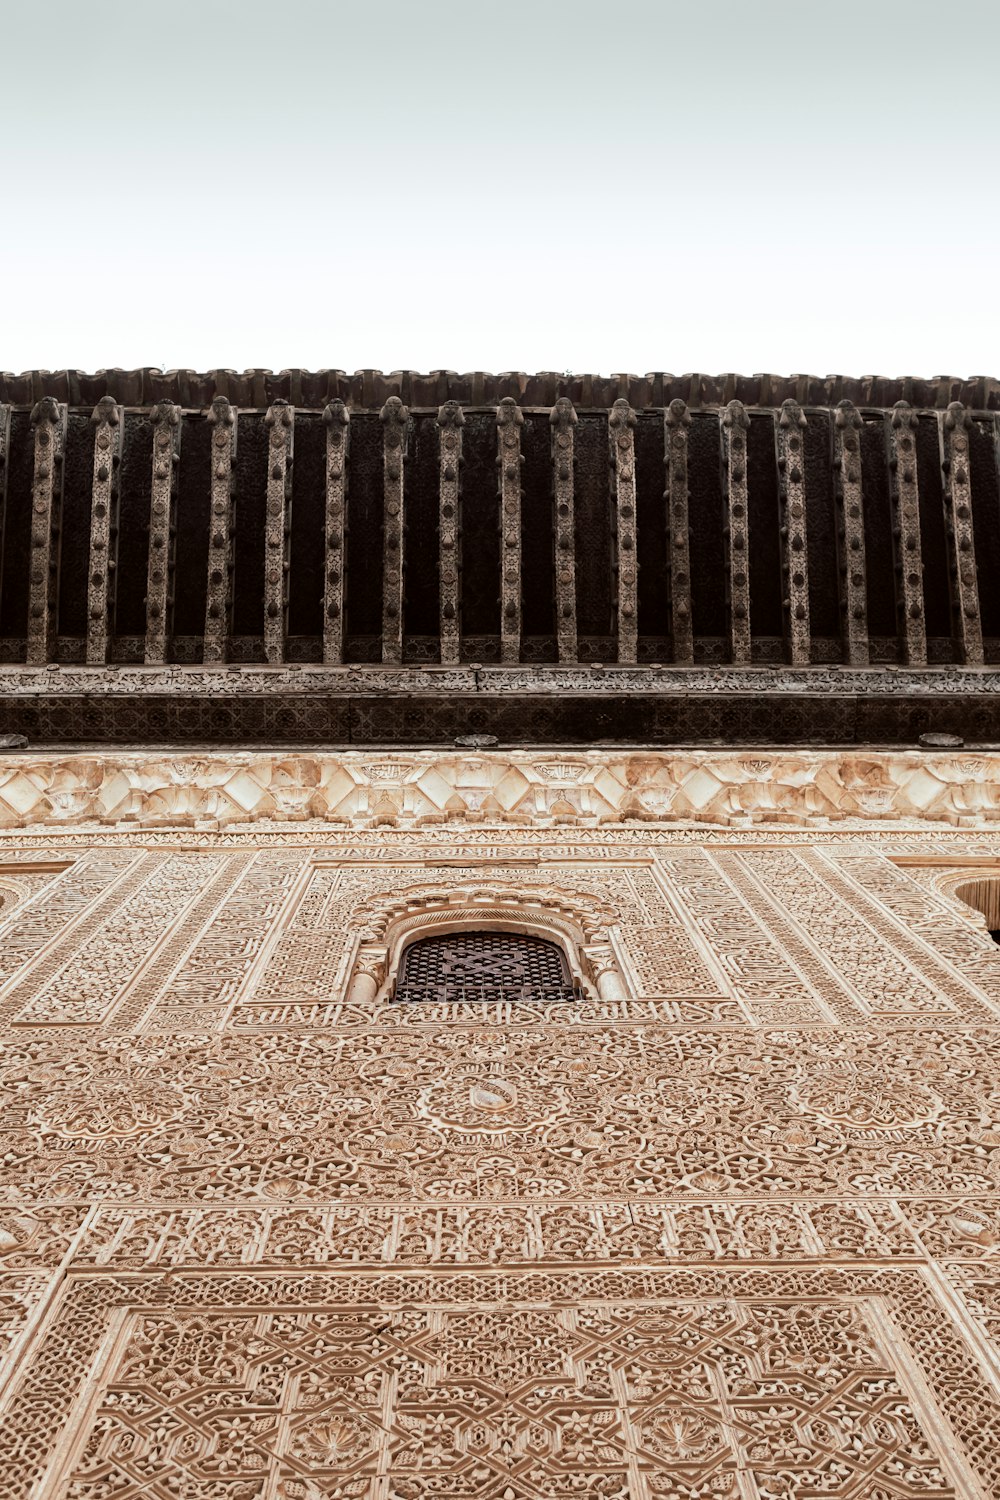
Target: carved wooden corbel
563 421
621 439
338 438
280 421
510 420
107 417
450 423
218 594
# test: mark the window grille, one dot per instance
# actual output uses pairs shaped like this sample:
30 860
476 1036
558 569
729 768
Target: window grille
484 966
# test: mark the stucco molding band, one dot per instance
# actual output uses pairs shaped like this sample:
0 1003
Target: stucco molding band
727 788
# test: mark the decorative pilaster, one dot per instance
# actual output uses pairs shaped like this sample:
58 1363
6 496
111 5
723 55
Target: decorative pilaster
621 435
677 420
563 420
450 421
850 533
280 419
395 420
338 440
510 420
901 440
166 418
794 550
49 421
107 418
734 426
218 597
966 627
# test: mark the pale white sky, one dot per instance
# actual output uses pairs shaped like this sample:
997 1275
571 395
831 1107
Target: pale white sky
760 186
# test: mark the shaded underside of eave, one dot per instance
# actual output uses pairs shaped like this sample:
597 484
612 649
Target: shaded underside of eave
787 526
371 388
817 711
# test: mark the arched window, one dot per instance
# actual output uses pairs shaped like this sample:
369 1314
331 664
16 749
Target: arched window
485 966
484 941
983 896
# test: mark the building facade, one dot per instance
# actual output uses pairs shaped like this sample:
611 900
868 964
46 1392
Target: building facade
496 977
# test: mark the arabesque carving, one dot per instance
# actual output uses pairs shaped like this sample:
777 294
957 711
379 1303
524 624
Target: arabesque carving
721 1222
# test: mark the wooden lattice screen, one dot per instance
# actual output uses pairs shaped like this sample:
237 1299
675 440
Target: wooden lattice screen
483 966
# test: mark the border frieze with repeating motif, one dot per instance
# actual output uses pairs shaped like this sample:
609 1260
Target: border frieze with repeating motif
586 788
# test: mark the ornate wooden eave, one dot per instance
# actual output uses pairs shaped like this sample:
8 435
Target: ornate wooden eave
368 559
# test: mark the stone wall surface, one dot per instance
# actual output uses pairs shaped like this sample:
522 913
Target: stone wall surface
723 1226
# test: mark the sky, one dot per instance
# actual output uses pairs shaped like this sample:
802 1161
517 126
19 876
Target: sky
794 187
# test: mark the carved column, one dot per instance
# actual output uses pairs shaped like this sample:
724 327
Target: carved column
850 533
901 441
280 420
563 420
162 530
218 595
49 421
338 443
604 971
368 974
364 988
107 418
789 435
510 420
450 422
966 628
677 420
734 426
395 420
621 435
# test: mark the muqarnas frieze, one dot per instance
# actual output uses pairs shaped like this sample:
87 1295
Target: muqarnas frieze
364 789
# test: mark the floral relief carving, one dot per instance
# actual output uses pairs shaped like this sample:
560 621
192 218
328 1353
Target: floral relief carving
631 1111
469 1389
725 1221
128 1107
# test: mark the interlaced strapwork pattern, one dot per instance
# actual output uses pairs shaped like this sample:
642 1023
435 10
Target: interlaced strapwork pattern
486 966
732 1233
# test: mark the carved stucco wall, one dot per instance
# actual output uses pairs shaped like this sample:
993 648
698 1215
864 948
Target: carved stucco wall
733 1231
